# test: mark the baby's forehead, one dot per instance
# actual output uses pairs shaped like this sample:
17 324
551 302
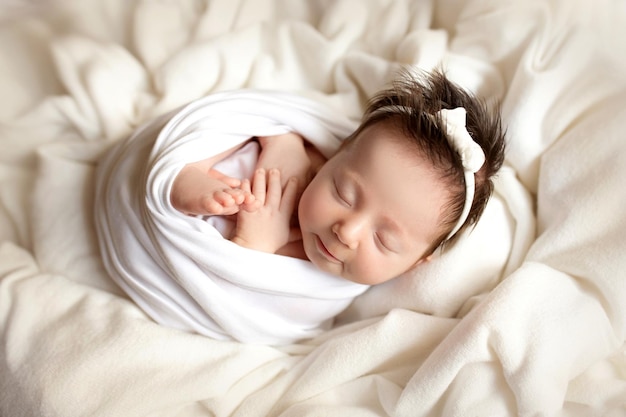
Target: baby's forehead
385 131
397 163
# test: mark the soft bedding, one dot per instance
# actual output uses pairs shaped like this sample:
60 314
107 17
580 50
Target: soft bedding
525 316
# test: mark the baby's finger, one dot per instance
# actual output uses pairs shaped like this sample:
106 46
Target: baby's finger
219 203
251 206
211 207
228 197
245 186
250 203
230 181
274 188
259 185
237 194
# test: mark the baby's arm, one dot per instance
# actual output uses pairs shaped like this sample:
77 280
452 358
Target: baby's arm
288 153
200 189
268 227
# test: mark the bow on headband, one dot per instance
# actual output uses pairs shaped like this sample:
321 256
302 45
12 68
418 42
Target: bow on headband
471 153
472 156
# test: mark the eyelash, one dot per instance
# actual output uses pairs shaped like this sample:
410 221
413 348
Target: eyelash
341 196
381 243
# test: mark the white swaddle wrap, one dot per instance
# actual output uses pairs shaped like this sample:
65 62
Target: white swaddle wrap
179 268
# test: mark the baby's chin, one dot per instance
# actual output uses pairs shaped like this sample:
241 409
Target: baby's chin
312 254
334 270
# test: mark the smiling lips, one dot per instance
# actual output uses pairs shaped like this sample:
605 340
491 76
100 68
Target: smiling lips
324 251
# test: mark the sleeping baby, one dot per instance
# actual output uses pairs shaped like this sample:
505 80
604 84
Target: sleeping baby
260 223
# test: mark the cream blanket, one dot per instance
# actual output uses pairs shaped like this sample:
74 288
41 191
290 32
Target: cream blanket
525 317
180 269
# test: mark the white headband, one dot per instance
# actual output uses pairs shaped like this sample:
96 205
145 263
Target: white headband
472 156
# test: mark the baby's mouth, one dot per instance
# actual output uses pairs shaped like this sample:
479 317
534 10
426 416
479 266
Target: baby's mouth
325 252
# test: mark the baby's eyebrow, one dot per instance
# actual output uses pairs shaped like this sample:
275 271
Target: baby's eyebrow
389 223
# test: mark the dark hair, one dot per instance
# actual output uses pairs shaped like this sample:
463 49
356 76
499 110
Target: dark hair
410 105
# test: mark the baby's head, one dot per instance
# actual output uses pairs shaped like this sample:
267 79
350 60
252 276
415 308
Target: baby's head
398 188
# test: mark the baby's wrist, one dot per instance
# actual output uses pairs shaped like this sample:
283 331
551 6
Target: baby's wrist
243 242
239 241
259 246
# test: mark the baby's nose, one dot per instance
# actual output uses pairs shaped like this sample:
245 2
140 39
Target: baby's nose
349 231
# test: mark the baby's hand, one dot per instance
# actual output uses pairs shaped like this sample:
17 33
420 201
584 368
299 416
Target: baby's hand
208 193
223 195
265 224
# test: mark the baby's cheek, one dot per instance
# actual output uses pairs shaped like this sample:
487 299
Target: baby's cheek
311 206
370 270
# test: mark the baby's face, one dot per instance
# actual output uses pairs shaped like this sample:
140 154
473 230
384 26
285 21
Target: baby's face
373 210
